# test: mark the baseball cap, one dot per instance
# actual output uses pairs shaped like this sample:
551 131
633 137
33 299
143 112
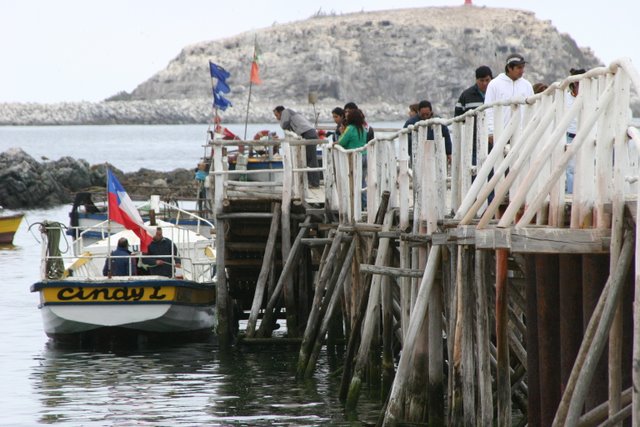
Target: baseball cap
515 59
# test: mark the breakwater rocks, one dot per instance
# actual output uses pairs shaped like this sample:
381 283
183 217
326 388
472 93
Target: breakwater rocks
27 183
106 113
172 111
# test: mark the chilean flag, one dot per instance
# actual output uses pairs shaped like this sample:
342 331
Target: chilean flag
122 211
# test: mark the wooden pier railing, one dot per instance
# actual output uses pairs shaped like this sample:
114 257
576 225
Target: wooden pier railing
474 290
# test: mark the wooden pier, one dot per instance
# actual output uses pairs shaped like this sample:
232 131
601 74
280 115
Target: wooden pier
467 294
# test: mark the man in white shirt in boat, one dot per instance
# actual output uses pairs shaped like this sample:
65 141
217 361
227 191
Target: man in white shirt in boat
296 122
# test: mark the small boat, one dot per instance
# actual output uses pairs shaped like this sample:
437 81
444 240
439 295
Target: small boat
79 303
9 224
88 217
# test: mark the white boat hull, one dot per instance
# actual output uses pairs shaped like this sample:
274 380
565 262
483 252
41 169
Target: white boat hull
149 304
161 318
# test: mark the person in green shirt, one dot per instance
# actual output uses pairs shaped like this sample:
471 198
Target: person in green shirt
354 135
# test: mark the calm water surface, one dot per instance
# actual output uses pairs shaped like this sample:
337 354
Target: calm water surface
194 384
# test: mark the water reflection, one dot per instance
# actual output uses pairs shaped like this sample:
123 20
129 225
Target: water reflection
193 384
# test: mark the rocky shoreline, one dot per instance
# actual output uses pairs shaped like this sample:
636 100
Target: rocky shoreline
26 183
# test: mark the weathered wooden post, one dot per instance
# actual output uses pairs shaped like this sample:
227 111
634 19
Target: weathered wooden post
267 267
267 320
548 319
223 308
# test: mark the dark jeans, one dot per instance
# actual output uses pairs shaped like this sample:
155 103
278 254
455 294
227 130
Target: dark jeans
312 158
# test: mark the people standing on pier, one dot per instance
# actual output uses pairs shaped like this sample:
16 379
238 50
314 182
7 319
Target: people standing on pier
121 263
425 112
508 85
413 110
473 96
572 129
540 87
297 123
338 117
352 106
354 135
162 255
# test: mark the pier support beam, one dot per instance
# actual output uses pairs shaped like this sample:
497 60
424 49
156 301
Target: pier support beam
548 295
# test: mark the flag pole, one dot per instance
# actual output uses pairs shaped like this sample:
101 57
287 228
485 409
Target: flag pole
246 119
108 225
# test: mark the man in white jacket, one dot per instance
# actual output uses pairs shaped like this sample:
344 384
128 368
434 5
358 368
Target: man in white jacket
507 85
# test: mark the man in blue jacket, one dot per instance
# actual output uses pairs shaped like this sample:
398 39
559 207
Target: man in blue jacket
121 263
425 112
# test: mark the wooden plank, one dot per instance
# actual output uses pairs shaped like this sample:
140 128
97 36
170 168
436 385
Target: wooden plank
245 215
391 271
545 240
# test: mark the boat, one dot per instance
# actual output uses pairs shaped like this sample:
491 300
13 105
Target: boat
88 217
9 224
80 304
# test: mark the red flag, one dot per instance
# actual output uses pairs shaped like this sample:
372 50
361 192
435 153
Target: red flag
255 70
255 73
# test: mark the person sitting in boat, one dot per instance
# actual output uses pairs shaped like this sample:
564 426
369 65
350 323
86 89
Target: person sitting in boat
121 262
162 255
263 150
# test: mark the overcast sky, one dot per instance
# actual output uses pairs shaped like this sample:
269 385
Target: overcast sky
87 50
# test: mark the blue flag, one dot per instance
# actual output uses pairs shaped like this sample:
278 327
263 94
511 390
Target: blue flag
217 72
220 101
221 87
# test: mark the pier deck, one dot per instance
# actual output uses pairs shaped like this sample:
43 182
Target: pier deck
469 294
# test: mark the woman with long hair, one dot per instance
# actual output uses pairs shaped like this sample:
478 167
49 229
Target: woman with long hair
354 135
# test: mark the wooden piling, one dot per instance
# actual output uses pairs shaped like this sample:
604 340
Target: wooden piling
266 326
533 401
267 267
394 413
361 304
502 339
594 276
332 263
570 280
330 310
483 358
370 319
548 317
600 335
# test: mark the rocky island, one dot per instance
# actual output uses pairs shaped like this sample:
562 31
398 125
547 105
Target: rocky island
382 60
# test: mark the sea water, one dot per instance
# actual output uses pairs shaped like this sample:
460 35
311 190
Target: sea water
193 384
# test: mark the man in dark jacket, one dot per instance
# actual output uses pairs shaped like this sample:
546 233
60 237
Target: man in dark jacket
425 112
121 263
473 97
163 255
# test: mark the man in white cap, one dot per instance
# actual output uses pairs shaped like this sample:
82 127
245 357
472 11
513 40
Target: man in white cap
507 85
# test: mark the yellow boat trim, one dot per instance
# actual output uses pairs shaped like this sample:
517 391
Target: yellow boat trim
10 224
